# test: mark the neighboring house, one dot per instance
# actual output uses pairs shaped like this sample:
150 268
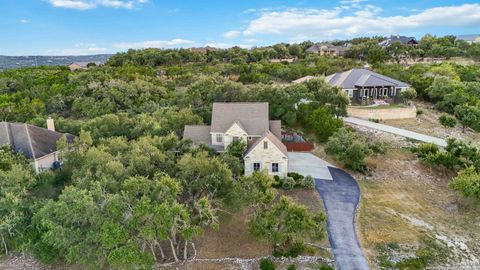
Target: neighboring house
401 39
247 122
325 48
469 38
81 65
35 143
305 79
363 84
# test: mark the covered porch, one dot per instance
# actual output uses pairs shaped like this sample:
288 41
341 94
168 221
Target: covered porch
366 95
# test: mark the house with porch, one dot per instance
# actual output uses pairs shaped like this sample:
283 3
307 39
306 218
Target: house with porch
249 123
400 39
364 86
35 143
325 48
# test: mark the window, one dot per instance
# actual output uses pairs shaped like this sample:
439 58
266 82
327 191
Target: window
275 167
235 138
219 138
256 166
249 138
265 145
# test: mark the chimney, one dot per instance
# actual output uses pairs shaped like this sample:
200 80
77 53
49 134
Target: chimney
50 124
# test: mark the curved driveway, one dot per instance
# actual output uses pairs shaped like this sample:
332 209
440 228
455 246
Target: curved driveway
341 197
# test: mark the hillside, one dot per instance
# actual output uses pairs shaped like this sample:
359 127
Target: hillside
7 62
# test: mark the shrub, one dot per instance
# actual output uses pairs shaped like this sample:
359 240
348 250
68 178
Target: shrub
288 183
325 267
266 264
348 147
295 176
419 112
277 181
447 121
425 149
308 182
292 267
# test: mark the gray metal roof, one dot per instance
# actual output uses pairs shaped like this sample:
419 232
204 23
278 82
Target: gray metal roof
402 39
32 141
253 117
354 78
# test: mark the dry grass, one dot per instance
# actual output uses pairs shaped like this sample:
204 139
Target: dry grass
428 124
403 200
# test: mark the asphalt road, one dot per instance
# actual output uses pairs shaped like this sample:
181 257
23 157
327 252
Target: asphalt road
341 197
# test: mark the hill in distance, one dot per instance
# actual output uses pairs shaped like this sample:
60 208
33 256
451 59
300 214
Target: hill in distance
7 62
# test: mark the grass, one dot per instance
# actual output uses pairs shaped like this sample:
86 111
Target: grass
404 201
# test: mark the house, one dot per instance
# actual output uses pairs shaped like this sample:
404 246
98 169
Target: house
305 79
363 84
247 122
469 38
81 65
325 48
35 143
401 39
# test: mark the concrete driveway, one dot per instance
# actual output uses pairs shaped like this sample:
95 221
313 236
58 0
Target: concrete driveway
340 198
309 164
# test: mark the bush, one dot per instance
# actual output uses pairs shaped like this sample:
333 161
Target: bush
266 264
288 183
292 267
425 149
325 267
308 182
277 181
419 112
348 147
295 176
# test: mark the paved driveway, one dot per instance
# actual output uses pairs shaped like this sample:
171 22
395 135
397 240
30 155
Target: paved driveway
341 197
308 164
396 131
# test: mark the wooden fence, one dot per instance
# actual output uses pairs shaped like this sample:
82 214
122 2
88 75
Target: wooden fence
298 146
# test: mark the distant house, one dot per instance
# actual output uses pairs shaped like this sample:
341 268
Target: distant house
304 79
202 49
247 122
401 39
363 84
325 48
81 65
469 38
35 143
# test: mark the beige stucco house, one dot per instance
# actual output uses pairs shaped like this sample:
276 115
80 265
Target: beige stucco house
247 122
35 143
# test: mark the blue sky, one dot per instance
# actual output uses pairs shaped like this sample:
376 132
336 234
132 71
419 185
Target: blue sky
75 27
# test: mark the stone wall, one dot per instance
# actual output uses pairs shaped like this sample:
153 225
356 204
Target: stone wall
382 114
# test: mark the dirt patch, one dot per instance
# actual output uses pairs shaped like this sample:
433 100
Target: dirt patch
404 200
428 124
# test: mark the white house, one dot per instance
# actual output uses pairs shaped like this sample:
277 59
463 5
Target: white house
248 122
35 143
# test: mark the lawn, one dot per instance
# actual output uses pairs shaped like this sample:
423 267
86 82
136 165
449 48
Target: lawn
403 202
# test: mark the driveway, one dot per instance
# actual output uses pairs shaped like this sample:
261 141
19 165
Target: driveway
340 198
396 131
309 164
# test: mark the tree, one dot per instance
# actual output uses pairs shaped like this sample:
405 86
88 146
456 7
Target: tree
286 223
467 182
237 149
447 121
468 116
408 94
349 148
322 123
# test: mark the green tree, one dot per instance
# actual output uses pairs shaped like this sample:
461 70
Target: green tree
322 123
447 121
467 182
348 147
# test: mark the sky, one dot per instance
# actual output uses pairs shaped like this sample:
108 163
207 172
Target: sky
80 27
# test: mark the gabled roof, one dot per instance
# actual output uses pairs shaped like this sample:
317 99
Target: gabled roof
198 134
402 39
361 78
32 141
253 117
273 139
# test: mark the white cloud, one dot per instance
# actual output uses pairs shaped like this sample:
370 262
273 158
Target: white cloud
89 4
24 21
365 20
232 34
174 43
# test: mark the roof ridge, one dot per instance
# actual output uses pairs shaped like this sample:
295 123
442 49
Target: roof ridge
30 140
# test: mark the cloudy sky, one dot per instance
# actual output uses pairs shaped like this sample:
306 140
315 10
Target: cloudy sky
76 27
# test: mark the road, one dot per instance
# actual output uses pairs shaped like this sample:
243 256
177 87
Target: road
396 131
340 198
